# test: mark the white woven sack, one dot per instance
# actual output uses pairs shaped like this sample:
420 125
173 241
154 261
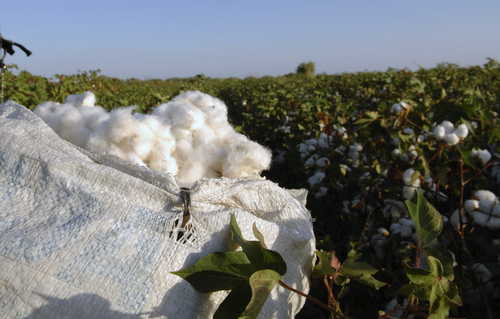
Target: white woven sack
91 236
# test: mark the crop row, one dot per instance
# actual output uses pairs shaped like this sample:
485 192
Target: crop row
361 144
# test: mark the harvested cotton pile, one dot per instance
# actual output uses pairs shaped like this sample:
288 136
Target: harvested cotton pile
189 137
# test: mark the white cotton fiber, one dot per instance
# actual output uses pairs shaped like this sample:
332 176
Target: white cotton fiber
189 137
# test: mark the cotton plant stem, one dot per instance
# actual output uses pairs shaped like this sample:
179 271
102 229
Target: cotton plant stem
316 301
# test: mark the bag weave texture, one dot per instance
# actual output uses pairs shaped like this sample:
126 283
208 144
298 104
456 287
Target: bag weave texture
86 235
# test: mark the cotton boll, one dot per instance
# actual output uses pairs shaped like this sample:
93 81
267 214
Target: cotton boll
439 133
395 228
485 206
84 99
397 109
407 175
312 142
321 192
316 179
322 162
482 194
392 304
462 131
302 148
245 158
407 222
451 139
483 155
493 223
481 218
405 231
408 191
323 143
455 219
311 160
448 126
408 131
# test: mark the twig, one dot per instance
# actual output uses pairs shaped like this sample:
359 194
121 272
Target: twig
282 284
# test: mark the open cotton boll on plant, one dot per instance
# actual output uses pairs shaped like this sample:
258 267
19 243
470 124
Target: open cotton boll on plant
189 137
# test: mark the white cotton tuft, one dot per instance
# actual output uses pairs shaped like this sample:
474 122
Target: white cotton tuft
471 205
462 131
397 109
316 179
322 162
451 139
189 137
485 206
483 155
354 151
481 219
321 192
84 99
439 133
482 194
448 126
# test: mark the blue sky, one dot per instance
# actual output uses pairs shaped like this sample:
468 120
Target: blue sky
164 39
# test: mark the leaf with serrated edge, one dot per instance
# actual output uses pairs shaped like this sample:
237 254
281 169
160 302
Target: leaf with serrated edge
428 221
260 257
262 282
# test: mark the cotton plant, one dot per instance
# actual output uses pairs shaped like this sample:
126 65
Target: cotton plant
447 132
483 156
412 182
400 108
484 209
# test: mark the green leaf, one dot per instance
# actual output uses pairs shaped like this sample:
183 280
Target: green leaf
360 271
442 171
241 272
431 285
324 266
259 257
428 221
218 271
372 114
467 156
364 120
438 250
235 303
259 235
261 282
452 112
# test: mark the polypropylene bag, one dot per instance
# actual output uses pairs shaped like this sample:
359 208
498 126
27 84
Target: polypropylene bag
86 235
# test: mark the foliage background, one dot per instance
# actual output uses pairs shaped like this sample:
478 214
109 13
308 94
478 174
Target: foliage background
283 112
